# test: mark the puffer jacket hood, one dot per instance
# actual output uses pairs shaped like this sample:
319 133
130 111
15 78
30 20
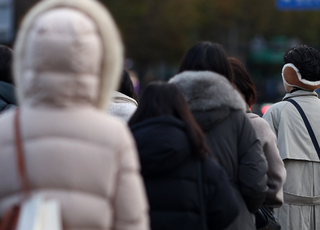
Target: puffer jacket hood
158 159
45 73
210 96
205 90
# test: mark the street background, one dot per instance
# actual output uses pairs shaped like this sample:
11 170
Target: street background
157 33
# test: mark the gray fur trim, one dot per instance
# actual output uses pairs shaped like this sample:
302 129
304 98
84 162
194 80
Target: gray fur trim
205 90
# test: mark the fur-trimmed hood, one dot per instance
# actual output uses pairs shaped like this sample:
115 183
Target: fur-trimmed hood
67 53
205 90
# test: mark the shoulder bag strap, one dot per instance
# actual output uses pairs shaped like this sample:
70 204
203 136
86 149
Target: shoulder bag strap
201 197
20 155
309 128
10 218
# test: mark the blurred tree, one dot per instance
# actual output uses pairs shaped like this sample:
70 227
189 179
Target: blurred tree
162 30
157 31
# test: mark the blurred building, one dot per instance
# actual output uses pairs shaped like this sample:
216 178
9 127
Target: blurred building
11 14
21 7
6 21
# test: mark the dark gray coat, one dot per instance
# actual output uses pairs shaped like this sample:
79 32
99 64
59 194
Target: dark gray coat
219 110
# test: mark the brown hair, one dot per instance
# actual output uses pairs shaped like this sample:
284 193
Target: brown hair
159 99
243 81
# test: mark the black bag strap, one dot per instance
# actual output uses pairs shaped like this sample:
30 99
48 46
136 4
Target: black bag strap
309 128
201 197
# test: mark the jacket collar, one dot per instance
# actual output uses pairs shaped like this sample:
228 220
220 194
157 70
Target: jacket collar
118 97
299 93
161 153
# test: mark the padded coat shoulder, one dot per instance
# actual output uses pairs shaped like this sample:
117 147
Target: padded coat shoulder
72 156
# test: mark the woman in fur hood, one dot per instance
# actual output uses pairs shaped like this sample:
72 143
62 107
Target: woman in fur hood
204 79
68 60
276 170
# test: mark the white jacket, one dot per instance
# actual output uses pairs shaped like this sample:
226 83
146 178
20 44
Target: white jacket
122 106
68 61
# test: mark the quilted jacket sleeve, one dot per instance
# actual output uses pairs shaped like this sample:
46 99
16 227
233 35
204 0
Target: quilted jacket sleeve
276 172
131 208
253 167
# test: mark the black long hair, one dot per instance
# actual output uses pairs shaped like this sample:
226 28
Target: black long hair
159 99
126 86
207 56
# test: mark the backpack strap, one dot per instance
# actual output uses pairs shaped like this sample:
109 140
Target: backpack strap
308 126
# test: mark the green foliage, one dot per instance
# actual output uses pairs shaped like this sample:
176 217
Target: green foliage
155 30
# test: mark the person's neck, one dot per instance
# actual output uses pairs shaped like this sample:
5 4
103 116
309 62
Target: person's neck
248 110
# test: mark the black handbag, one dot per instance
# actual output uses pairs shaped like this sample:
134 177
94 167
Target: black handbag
265 219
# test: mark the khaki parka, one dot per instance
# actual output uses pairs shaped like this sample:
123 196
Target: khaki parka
301 206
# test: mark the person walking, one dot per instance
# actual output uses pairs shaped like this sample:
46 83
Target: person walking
276 171
186 188
205 80
7 89
74 152
297 145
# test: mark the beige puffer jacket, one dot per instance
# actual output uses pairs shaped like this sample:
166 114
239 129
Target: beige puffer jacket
68 60
276 171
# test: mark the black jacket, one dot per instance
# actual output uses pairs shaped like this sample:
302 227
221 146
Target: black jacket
170 172
220 111
7 96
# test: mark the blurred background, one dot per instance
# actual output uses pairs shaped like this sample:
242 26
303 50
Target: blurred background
157 33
